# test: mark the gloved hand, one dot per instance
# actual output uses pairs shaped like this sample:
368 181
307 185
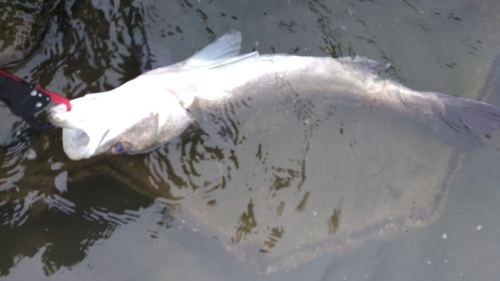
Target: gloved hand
25 100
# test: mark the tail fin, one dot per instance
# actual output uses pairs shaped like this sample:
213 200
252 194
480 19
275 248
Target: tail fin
465 123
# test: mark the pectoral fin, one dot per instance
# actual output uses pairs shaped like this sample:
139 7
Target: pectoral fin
222 121
212 120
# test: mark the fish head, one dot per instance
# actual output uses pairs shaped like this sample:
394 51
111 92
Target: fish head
133 118
149 110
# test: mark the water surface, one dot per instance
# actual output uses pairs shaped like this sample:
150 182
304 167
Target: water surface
197 210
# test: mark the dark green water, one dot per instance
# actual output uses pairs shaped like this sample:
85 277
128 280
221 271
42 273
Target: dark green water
64 220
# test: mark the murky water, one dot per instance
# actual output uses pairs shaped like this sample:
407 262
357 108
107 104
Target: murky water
316 192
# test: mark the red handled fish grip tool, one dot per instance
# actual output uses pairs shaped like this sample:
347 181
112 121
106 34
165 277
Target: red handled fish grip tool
25 99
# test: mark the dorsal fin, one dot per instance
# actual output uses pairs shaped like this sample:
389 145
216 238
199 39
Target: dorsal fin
222 51
226 46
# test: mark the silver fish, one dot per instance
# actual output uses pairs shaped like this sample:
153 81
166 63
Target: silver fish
216 87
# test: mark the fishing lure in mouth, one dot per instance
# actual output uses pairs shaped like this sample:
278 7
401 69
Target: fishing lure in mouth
25 99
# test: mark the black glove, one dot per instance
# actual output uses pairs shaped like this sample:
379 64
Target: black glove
25 100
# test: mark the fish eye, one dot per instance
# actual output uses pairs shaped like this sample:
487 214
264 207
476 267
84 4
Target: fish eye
120 147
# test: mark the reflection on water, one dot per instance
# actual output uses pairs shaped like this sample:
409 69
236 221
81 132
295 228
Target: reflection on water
23 26
308 179
70 225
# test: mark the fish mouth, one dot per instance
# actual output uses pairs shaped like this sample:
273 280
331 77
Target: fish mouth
79 142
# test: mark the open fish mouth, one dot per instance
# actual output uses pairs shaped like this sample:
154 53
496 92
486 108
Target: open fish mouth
79 140
78 144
